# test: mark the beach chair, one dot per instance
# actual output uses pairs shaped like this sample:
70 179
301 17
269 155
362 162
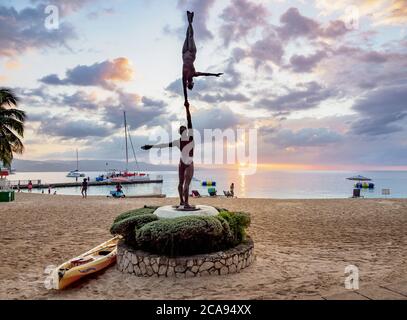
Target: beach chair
212 192
195 194
116 194
227 194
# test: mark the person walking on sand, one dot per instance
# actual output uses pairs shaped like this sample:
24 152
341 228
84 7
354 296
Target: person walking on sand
84 189
30 186
188 57
232 190
186 163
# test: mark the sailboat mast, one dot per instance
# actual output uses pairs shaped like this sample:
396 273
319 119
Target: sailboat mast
77 160
125 134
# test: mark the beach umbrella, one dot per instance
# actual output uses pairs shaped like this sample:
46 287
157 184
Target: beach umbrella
359 178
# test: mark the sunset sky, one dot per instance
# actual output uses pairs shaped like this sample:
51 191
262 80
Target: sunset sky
323 92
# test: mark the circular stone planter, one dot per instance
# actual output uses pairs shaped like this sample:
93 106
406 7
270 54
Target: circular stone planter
142 263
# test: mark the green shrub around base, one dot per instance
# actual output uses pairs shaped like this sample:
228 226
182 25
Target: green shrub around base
238 222
126 227
137 212
183 236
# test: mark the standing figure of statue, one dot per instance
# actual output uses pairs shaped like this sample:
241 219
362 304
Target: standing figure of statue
188 57
186 164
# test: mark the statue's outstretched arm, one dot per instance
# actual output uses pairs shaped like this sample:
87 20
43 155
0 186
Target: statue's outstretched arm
207 74
158 146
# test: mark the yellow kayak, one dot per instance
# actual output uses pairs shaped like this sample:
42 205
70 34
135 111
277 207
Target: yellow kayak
90 262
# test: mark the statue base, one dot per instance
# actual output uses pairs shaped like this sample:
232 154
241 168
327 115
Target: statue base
180 211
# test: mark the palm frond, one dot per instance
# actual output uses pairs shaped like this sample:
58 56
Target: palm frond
12 113
8 97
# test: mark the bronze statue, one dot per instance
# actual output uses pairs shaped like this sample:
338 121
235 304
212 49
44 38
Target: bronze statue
186 142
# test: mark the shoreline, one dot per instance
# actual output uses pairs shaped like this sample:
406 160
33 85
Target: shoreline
208 197
302 247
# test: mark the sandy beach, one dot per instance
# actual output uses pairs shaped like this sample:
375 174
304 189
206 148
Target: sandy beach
302 248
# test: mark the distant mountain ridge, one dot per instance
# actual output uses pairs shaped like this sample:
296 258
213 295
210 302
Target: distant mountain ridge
84 165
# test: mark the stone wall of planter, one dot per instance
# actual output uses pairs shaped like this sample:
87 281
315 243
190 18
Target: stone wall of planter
144 264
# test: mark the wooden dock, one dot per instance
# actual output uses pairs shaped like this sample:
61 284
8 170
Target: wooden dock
39 185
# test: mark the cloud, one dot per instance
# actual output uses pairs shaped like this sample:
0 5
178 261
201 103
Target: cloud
381 111
241 17
307 137
68 128
66 7
308 96
42 98
300 63
381 12
101 13
139 111
355 69
80 100
270 48
225 97
267 49
201 9
104 74
24 30
216 118
149 102
295 25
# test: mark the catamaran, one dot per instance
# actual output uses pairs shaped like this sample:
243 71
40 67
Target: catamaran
126 175
76 173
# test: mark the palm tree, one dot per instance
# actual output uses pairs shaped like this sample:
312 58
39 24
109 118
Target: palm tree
11 126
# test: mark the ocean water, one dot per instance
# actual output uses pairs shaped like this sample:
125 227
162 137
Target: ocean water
263 184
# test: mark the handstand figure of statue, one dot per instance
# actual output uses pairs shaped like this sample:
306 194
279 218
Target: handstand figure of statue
188 57
186 163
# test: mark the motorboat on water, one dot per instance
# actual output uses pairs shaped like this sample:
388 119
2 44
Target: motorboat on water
75 174
125 176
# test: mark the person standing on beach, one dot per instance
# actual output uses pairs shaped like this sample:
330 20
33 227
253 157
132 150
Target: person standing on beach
188 57
30 186
232 190
84 189
186 163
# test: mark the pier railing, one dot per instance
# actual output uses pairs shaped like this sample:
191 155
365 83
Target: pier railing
16 183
